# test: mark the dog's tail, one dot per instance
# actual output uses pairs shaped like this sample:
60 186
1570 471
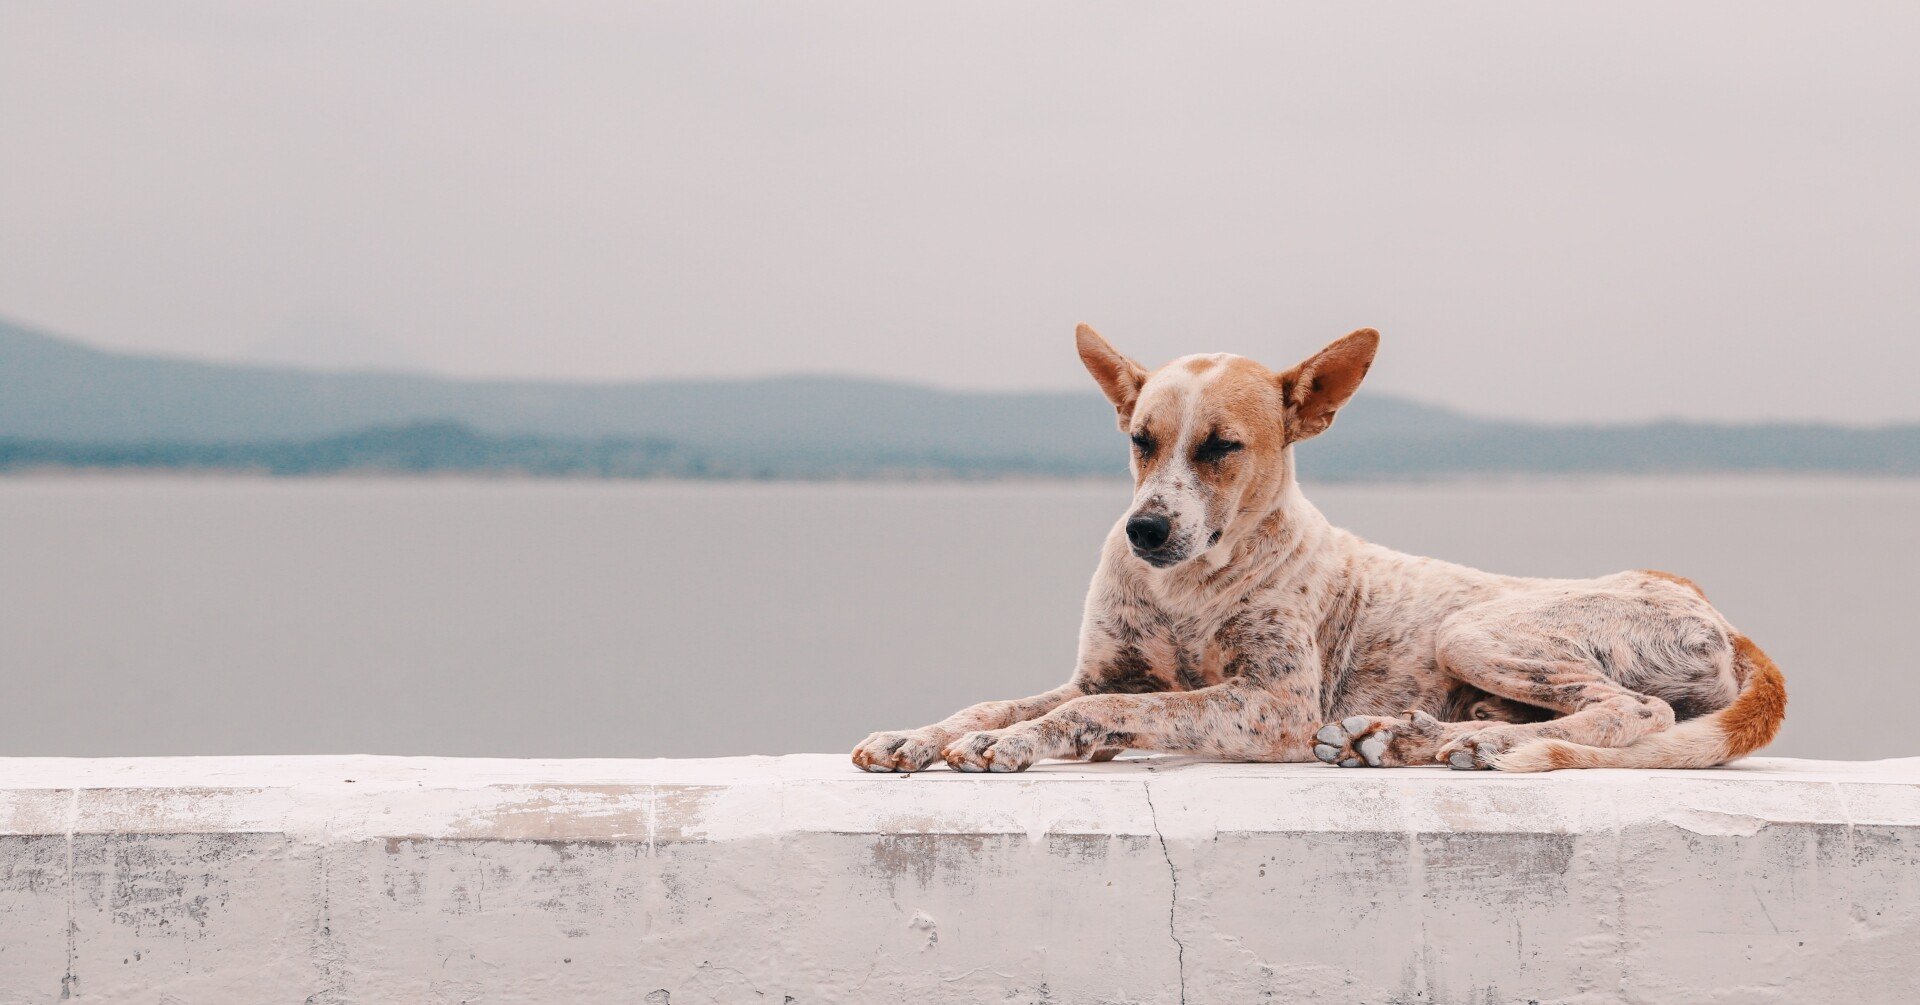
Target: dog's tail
1733 732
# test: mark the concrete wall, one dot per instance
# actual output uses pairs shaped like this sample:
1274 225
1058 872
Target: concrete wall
798 879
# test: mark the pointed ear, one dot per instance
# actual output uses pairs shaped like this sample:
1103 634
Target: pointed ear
1119 377
1317 388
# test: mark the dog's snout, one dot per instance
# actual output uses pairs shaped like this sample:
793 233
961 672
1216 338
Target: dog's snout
1149 531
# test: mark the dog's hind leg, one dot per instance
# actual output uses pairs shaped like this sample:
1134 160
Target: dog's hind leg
1614 663
1597 710
1600 713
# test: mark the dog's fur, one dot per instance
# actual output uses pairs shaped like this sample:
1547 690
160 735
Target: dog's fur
1253 630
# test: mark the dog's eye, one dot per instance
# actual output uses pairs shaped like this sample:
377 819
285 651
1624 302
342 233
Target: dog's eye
1143 443
1215 449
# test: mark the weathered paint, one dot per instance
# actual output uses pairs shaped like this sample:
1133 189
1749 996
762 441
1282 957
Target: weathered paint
797 879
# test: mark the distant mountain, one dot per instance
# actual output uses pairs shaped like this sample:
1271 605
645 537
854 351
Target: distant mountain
63 404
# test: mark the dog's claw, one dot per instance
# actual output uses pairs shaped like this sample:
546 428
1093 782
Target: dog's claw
1373 747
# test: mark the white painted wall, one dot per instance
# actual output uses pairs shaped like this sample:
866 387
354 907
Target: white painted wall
799 879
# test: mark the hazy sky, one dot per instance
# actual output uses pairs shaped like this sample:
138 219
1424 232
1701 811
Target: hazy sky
1577 211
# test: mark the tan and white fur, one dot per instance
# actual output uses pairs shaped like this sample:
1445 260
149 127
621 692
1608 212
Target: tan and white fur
1228 619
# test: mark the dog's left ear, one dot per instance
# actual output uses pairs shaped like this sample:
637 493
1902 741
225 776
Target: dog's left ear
1317 388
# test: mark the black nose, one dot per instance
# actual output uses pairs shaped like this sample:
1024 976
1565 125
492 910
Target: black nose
1148 531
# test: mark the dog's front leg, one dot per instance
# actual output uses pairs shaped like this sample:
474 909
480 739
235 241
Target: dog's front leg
913 749
1241 720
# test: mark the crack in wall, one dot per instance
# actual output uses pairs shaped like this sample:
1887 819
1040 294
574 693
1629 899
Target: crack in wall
70 981
1173 901
327 952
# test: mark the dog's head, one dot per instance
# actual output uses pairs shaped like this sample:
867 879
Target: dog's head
1211 434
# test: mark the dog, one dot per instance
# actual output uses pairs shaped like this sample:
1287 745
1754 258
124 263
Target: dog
1229 620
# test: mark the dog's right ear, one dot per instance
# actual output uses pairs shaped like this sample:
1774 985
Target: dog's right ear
1119 377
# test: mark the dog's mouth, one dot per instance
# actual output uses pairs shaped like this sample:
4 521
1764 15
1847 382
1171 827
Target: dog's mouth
1168 557
1160 559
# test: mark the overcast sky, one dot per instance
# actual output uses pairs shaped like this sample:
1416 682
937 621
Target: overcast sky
1597 211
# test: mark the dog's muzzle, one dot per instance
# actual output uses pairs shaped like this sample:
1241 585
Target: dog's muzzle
1150 534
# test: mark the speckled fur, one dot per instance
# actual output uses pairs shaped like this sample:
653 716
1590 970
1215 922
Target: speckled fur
1260 632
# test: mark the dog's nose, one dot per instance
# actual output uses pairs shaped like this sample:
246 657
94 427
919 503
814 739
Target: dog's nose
1149 531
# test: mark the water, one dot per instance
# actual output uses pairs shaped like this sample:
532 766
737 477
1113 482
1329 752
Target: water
565 619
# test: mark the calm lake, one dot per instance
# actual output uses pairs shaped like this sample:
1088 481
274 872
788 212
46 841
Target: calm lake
606 619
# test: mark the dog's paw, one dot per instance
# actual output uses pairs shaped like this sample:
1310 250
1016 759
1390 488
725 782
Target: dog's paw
906 750
991 750
1377 741
1356 740
1481 749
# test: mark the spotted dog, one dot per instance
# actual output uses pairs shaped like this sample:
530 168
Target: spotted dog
1228 619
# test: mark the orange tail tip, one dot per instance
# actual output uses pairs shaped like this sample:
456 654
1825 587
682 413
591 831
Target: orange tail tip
1754 718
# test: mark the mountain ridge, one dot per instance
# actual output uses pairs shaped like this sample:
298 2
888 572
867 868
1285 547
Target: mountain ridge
67 404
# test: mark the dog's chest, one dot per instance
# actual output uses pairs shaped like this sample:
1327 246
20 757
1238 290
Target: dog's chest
1171 656
1196 664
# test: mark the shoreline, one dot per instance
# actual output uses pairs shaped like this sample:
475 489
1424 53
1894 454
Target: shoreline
1727 479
